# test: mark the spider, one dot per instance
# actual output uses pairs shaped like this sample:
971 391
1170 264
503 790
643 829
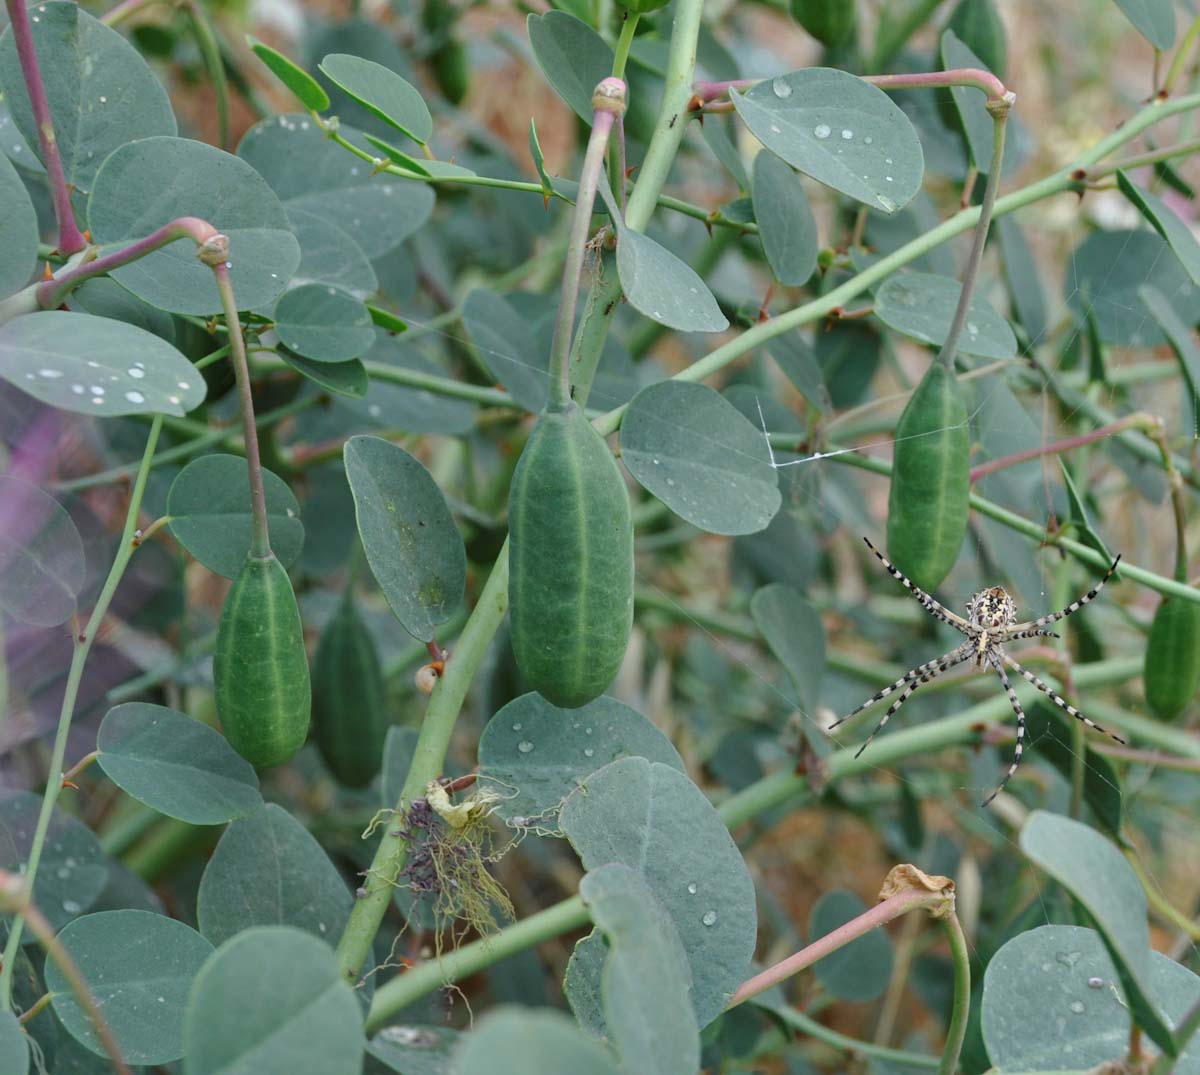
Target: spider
992 622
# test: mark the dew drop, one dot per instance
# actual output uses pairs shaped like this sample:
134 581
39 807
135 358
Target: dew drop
588 752
1095 983
847 134
184 385
972 329
71 907
1077 1007
50 374
62 873
97 390
692 889
104 100
135 373
709 918
821 130
867 139
518 726
525 746
782 88
135 397
78 389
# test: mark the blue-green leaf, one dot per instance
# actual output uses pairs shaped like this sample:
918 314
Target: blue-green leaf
839 129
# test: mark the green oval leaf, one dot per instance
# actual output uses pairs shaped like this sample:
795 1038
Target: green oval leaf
101 93
1161 217
92 365
41 555
793 630
147 184
14 1049
694 451
572 56
1153 19
1053 992
1104 275
271 999
538 753
382 92
413 547
508 348
922 305
839 129
525 1041
176 765
413 1050
106 298
269 871
653 818
349 379
860 970
139 967
1100 879
645 980
324 324
18 231
328 255
786 226
310 172
72 872
209 514
307 89
664 288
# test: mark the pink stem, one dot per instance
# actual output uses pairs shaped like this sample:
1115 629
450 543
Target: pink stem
52 293
959 76
1006 461
70 238
879 915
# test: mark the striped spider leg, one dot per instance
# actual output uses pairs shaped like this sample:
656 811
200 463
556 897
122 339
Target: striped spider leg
910 681
991 622
1032 628
935 608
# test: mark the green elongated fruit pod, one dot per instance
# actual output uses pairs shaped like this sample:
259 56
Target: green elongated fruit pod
452 70
260 667
832 22
1172 672
570 587
349 699
931 480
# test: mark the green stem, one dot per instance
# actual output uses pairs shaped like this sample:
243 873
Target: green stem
755 337
621 55
763 795
960 1011
260 536
807 1025
83 646
999 110
1183 53
428 759
608 101
1037 533
210 53
1154 156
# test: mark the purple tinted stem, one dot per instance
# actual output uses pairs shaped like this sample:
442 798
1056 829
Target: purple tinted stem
609 99
53 293
260 538
70 238
959 76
